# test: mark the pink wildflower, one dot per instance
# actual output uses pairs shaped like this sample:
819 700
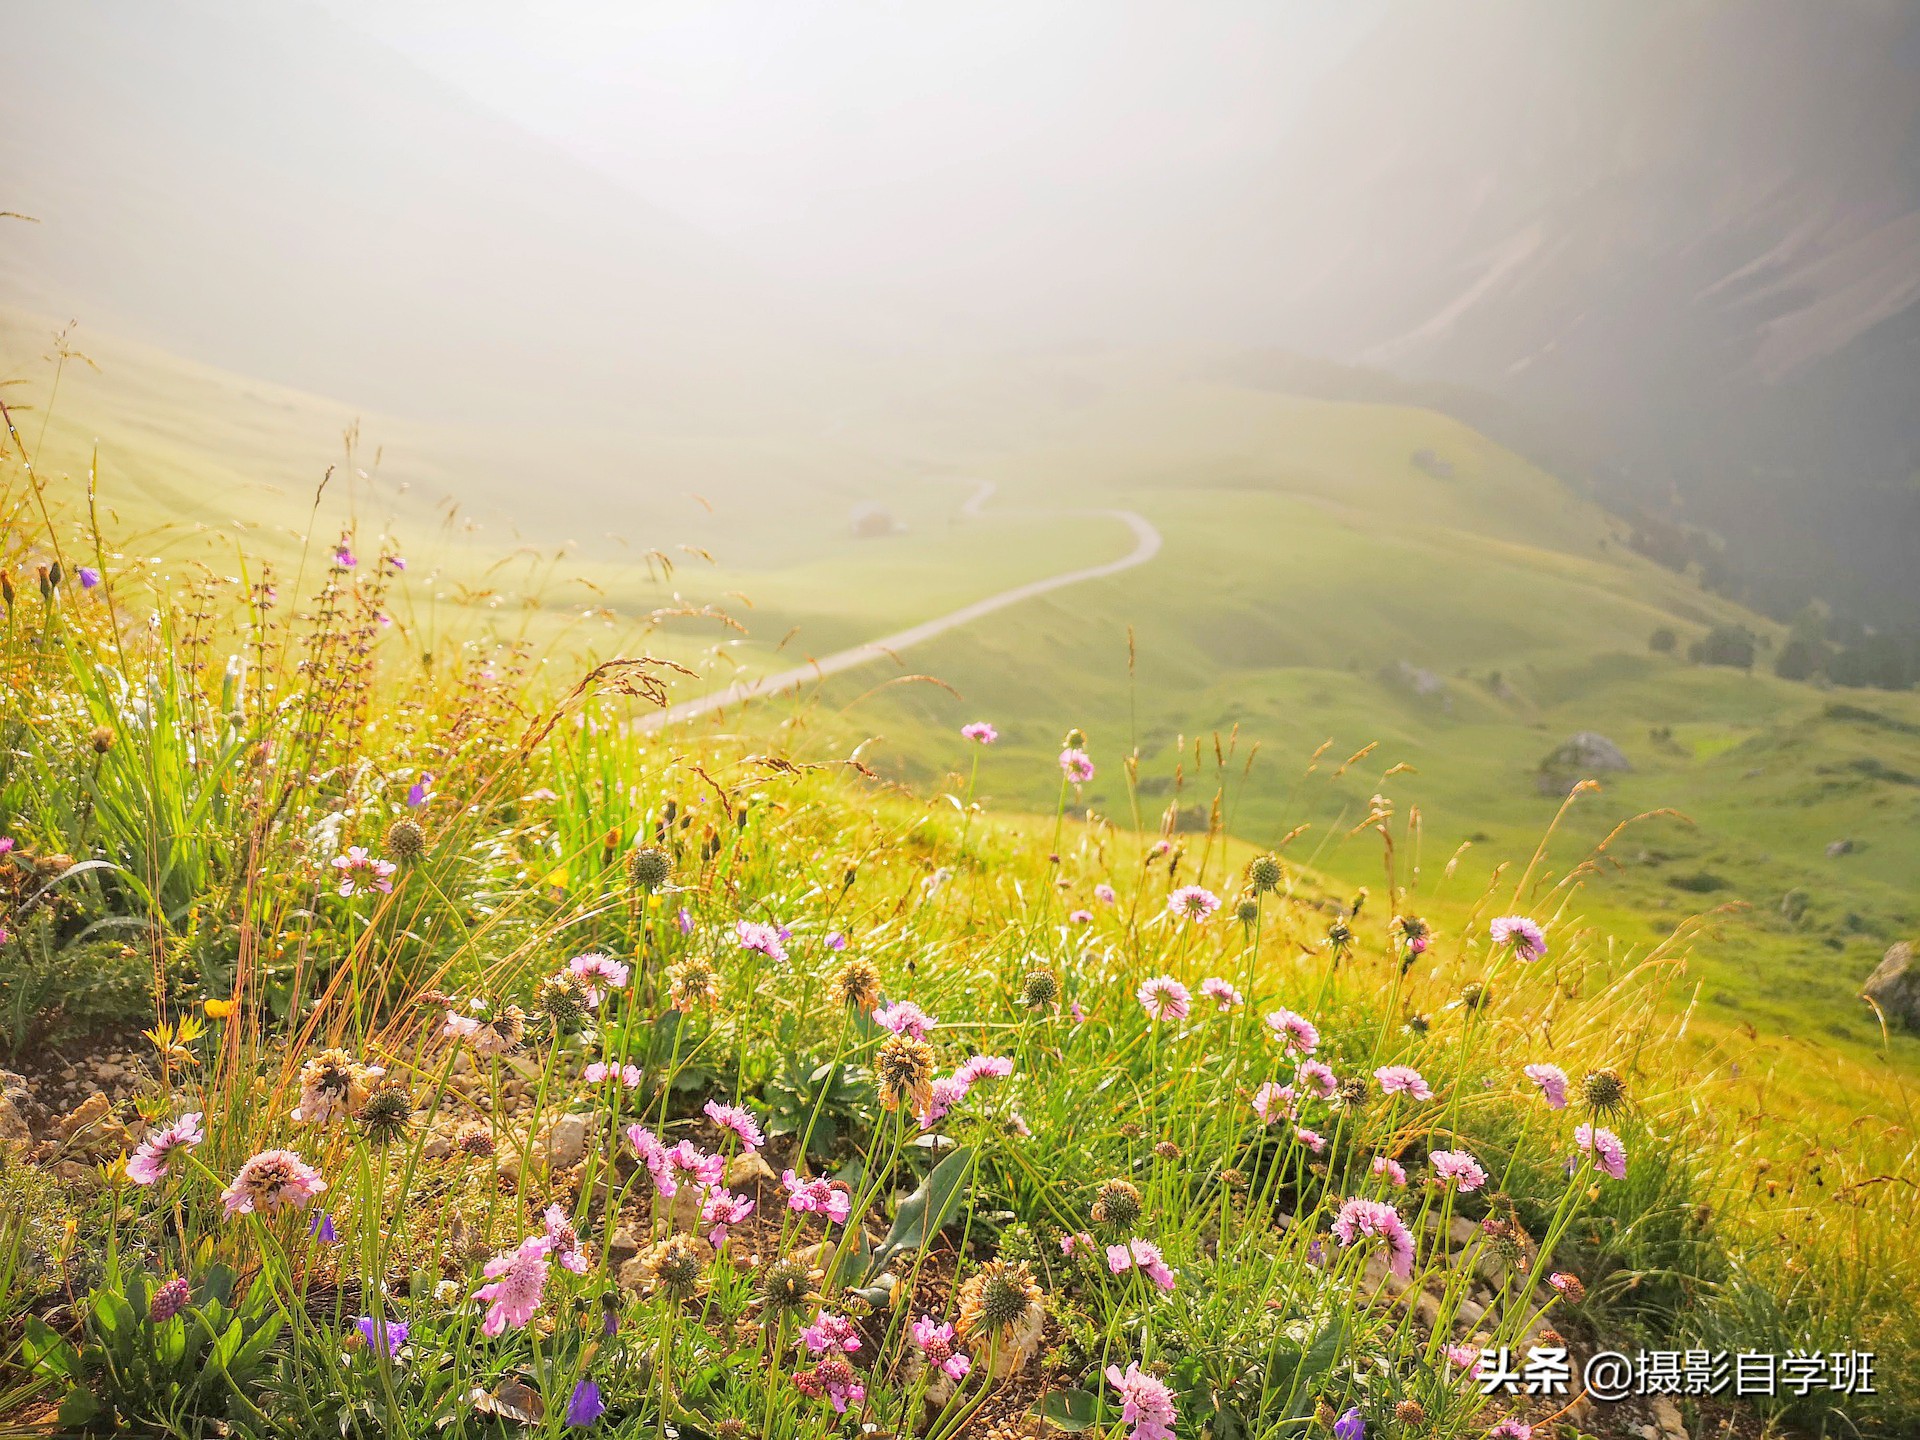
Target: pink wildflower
1604 1147
1076 765
1317 1076
1221 992
599 1071
148 1164
1552 1081
563 1241
1391 1169
980 732
1164 998
1528 940
1403 1080
905 1018
737 1121
1143 1255
817 1197
272 1180
1458 1168
1361 1219
985 1067
946 1092
1079 1240
1273 1101
1193 902
935 1342
601 972
360 872
688 1164
830 1332
519 1278
1105 894
1080 917
1312 1139
762 939
1146 1404
1296 1032
722 1210
654 1156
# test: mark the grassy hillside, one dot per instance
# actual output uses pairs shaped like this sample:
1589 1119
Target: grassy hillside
1316 553
1312 550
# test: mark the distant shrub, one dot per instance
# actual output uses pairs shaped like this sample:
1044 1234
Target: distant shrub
1733 645
1801 660
1700 882
1663 641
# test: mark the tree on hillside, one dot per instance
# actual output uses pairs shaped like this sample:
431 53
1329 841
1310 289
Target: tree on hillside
1726 645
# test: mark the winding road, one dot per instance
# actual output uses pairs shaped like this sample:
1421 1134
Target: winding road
1146 544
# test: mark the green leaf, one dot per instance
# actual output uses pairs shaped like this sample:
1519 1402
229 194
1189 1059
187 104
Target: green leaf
922 1213
1069 1410
79 1407
48 1351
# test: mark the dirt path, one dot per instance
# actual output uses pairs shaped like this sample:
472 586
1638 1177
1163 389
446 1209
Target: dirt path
1146 544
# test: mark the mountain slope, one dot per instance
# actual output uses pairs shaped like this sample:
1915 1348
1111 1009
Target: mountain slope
1692 227
263 189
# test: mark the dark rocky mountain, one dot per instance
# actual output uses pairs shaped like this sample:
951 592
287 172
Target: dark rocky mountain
1686 231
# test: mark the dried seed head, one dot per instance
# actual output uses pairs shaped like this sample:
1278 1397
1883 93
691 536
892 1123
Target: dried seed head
1604 1091
1473 994
1353 1091
904 1066
1265 874
1410 1413
1246 910
406 841
565 998
649 867
693 984
787 1285
388 1112
677 1266
102 739
1167 1150
1039 989
996 1298
1117 1205
1234 1179
475 1139
857 984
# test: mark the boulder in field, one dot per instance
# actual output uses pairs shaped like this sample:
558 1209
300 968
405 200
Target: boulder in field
1894 986
1581 756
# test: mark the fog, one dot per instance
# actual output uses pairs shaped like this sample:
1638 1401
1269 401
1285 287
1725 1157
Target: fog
1034 171
1670 250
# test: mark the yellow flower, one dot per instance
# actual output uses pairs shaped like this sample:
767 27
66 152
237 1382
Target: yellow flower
221 1009
174 1041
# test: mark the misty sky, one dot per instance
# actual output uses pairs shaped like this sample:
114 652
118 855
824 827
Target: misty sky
921 155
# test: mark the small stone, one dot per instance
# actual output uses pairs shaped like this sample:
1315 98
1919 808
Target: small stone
746 1170
566 1141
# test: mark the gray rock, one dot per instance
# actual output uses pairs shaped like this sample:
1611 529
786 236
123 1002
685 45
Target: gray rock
1583 755
1839 848
1410 679
567 1142
1894 986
